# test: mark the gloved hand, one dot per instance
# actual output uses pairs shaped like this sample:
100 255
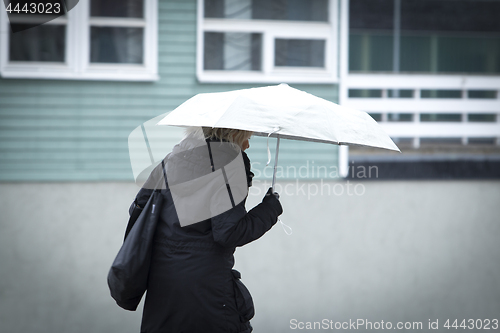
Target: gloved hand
272 198
270 194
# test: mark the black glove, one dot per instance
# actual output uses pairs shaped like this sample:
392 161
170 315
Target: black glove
271 194
272 198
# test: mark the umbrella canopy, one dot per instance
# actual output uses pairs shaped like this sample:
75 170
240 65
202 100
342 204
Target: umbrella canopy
284 112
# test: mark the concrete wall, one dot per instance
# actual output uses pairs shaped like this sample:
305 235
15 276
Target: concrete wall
392 251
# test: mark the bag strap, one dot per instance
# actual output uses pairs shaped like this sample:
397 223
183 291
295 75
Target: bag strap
164 174
138 210
223 173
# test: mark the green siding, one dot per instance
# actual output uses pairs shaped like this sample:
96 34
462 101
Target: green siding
68 130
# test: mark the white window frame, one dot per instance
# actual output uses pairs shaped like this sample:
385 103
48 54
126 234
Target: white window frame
270 30
77 64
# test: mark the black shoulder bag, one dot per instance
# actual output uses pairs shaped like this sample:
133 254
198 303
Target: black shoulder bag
128 275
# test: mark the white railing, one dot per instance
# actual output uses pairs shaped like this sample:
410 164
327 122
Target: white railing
416 105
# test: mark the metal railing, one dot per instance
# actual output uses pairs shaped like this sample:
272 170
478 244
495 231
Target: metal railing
419 95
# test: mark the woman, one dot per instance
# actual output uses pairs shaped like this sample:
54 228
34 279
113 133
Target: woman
192 286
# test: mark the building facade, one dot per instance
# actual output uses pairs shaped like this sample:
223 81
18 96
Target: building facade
73 91
74 88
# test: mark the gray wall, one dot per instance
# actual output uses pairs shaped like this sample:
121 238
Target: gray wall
395 251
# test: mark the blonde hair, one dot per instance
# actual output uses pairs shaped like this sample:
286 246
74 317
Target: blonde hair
235 136
229 134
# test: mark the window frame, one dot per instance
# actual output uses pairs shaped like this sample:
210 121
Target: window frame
270 30
77 64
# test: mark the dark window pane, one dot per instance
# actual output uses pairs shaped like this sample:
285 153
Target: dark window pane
437 36
482 141
482 117
214 8
403 93
232 51
286 10
371 14
380 53
116 45
415 54
370 52
42 43
439 15
299 52
469 54
117 8
376 116
235 9
373 51
356 57
440 141
486 94
290 10
455 117
365 93
403 141
213 54
400 117
440 93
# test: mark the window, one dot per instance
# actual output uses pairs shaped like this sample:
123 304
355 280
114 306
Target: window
96 40
435 36
267 41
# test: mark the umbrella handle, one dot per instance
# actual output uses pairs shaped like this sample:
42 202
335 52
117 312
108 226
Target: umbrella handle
276 160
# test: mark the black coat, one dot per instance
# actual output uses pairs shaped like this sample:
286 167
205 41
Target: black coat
192 286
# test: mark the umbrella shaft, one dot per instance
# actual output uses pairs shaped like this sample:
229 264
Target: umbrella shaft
276 159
